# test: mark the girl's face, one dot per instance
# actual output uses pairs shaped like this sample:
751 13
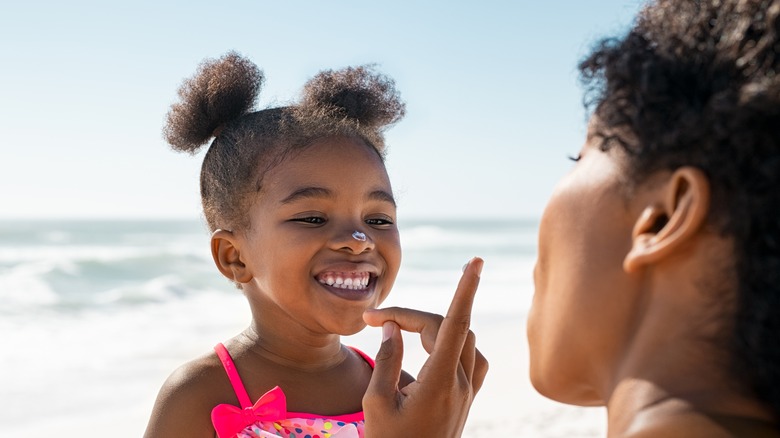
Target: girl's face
582 306
308 269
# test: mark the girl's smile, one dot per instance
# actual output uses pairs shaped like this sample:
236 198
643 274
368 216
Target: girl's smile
351 282
346 280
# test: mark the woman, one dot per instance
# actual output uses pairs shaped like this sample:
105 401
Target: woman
658 277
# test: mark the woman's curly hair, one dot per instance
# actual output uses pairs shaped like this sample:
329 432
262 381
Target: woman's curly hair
218 103
697 83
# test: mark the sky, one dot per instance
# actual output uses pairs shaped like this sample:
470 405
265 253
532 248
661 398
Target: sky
494 105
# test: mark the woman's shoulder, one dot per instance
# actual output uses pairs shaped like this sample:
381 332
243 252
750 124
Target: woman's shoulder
747 427
699 425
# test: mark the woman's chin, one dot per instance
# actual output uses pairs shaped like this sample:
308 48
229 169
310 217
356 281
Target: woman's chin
570 393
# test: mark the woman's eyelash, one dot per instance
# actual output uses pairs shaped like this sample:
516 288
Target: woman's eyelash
574 158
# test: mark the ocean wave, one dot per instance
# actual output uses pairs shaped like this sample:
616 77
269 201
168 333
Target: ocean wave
114 253
100 279
157 289
23 287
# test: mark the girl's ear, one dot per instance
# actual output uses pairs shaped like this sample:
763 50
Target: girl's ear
226 250
675 215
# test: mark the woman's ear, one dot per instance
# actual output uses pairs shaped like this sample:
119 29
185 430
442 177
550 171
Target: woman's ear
672 218
226 250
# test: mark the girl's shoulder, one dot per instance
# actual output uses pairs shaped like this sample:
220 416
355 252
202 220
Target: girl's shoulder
184 403
202 378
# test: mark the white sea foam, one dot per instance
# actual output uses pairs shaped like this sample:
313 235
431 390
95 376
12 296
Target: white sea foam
157 289
101 253
21 287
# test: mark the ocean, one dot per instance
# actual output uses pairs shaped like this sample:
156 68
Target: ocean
95 314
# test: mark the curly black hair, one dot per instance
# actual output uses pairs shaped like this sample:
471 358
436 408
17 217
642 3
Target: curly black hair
697 83
218 103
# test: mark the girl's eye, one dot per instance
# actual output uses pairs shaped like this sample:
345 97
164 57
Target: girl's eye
313 220
377 222
575 159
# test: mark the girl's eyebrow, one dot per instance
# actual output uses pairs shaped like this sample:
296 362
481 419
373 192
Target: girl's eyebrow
307 192
321 192
381 195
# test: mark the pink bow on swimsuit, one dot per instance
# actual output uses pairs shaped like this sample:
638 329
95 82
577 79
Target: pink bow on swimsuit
229 420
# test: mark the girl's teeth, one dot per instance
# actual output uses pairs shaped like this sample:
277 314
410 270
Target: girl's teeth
355 282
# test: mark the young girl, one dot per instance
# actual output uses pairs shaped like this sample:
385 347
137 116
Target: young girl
303 222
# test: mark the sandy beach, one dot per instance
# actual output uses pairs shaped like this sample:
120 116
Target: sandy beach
90 396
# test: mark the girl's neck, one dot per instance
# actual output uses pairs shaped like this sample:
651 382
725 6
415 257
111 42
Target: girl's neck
287 348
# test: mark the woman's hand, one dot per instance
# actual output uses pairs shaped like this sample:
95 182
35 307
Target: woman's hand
438 402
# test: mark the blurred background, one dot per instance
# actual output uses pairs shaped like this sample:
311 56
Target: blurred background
106 280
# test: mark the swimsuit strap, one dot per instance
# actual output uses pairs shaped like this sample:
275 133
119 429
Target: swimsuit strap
365 357
232 373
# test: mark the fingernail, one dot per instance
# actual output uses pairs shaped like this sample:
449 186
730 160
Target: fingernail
479 263
387 330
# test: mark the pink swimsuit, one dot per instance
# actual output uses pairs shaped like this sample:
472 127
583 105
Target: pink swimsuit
268 417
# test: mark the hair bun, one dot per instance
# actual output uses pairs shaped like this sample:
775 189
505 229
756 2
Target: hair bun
357 93
221 91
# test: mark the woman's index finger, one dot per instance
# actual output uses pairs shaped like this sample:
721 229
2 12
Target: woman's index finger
456 325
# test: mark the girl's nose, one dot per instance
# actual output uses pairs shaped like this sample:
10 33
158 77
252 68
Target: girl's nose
354 241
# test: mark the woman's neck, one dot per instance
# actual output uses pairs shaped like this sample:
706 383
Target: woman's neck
645 408
672 374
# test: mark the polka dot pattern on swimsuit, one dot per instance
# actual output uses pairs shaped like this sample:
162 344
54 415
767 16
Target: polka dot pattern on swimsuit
304 428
